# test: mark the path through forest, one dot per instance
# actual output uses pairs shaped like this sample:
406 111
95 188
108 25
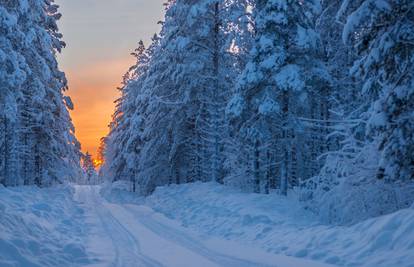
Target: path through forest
133 235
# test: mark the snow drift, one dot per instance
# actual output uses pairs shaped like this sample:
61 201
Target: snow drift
280 225
40 227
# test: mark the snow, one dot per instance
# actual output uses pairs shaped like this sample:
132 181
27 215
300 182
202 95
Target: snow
306 38
24 5
7 20
75 226
279 4
378 119
188 225
182 42
265 42
235 106
68 102
278 18
279 225
2 56
342 10
367 9
40 227
140 236
269 62
290 77
268 106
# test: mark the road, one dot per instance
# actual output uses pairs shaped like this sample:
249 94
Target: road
125 235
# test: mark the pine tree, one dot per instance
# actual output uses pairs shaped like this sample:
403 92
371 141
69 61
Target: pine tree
382 33
371 174
121 145
43 149
89 169
284 82
13 72
177 131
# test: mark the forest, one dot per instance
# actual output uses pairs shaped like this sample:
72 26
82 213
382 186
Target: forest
263 95
38 145
272 96
302 107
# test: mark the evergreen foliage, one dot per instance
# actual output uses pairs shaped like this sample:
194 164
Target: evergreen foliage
271 96
38 145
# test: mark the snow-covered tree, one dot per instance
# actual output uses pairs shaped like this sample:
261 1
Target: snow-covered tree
372 173
89 170
383 32
122 144
285 82
43 149
268 95
176 129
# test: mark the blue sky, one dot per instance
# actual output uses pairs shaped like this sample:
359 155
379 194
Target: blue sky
100 34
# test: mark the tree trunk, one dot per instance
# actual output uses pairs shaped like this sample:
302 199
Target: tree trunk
216 119
284 175
256 167
6 151
268 172
286 144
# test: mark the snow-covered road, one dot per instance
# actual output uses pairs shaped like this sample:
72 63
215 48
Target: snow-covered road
132 235
187 225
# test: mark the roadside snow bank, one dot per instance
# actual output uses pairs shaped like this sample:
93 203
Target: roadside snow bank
120 192
40 227
280 225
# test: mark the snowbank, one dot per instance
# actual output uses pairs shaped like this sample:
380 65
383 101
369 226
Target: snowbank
280 225
120 192
40 227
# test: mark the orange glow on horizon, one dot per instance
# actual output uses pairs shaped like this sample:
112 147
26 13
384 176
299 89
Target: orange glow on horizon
97 163
93 91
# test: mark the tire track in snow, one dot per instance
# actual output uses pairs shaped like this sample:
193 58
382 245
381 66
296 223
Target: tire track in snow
139 236
127 248
186 241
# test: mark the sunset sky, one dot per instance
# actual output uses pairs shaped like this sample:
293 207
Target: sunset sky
100 34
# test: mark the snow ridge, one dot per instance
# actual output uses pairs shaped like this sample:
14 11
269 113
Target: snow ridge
280 225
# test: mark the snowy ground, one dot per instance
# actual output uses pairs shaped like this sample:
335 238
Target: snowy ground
135 235
41 227
281 226
188 225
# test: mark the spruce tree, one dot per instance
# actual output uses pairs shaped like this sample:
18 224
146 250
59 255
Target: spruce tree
284 83
43 149
89 170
